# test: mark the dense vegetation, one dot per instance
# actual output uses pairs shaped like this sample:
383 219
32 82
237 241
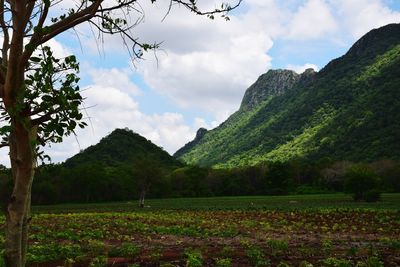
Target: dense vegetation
114 169
347 111
96 182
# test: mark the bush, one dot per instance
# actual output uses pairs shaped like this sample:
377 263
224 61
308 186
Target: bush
359 180
372 195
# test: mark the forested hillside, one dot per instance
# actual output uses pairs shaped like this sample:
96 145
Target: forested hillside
122 146
114 169
347 111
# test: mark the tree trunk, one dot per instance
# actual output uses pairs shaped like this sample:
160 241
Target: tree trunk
23 162
141 199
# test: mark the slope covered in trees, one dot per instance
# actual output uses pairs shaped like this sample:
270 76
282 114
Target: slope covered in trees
113 169
120 147
347 111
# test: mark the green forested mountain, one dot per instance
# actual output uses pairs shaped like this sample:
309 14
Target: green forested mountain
350 110
117 168
122 146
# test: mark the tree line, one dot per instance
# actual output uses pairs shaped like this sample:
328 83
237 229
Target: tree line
94 182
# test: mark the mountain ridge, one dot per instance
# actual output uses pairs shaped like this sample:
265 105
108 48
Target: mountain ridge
337 113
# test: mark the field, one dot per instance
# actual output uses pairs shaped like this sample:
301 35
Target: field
315 230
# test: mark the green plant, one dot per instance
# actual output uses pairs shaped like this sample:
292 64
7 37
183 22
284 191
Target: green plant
99 261
128 250
334 262
2 262
278 246
283 264
227 251
193 258
223 262
327 245
361 179
68 262
95 248
370 262
257 257
352 251
155 254
305 264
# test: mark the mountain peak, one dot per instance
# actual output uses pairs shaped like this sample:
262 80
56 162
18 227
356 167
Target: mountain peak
376 42
272 83
122 146
200 133
383 36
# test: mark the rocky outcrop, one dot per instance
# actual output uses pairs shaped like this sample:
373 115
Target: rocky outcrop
199 135
272 83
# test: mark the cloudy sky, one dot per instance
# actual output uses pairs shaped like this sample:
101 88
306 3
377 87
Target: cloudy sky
199 75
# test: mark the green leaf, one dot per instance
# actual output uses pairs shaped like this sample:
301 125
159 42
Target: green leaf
35 59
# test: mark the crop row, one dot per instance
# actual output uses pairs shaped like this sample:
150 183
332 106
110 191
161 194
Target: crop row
253 237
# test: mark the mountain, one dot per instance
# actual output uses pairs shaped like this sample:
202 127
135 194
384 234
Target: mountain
122 146
117 168
350 110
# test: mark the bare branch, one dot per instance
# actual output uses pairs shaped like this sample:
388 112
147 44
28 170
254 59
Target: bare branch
123 4
42 119
4 145
28 11
168 11
6 36
69 22
43 14
193 8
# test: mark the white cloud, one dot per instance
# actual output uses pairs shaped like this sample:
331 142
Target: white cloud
205 64
312 20
116 78
111 108
360 16
301 68
59 50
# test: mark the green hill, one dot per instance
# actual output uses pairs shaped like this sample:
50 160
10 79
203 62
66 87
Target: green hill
117 168
350 110
123 146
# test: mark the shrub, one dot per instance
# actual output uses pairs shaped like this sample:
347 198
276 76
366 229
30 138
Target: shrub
359 180
223 262
372 195
334 262
370 262
193 258
257 257
130 250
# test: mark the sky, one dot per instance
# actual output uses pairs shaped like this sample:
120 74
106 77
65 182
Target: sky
203 67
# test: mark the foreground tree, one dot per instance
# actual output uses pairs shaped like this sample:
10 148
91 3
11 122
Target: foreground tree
39 92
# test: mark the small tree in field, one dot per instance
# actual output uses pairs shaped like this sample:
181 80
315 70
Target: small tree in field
39 92
146 172
363 183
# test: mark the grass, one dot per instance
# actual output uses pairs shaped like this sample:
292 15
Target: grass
283 203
